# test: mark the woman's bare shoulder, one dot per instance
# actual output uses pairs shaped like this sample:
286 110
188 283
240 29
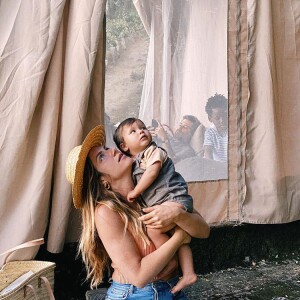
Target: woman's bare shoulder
103 208
105 215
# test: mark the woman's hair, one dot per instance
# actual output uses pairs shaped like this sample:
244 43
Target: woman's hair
93 252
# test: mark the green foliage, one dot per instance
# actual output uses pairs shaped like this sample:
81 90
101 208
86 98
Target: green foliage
122 21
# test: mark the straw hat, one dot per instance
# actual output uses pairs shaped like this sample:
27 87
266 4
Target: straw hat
76 162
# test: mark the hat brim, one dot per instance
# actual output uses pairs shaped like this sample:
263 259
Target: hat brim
95 138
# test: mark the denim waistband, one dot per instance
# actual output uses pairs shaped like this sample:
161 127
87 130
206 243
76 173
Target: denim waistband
156 290
158 284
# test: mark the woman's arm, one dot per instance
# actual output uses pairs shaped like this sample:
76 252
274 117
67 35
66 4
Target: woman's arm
123 250
160 216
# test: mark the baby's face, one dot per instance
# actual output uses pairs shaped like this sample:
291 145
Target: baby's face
136 138
219 118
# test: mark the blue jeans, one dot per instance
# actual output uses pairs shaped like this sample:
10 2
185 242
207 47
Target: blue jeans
158 290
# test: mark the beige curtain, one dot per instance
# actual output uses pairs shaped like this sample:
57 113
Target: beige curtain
187 64
181 74
272 169
51 95
263 90
51 83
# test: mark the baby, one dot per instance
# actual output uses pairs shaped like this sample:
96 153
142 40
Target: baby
157 183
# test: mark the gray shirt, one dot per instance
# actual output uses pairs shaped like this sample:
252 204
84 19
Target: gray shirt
168 186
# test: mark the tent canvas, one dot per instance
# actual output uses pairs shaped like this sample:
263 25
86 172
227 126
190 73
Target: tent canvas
52 71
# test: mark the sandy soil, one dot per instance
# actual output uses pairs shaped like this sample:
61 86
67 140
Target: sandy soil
262 281
124 81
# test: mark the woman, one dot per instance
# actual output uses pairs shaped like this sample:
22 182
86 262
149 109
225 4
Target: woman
112 229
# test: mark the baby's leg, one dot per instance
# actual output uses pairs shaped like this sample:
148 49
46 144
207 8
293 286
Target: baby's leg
187 266
157 237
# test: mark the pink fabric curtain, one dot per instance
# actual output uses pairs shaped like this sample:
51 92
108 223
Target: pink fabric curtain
182 73
52 71
263 90
51 94
272 171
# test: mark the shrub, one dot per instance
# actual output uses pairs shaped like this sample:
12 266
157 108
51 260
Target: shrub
122 21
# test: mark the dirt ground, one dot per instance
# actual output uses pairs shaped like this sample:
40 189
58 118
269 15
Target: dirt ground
124 80
262 281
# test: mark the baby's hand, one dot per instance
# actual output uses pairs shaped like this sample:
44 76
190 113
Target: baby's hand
132 195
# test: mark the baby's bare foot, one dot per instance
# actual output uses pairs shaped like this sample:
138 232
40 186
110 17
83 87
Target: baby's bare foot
184 281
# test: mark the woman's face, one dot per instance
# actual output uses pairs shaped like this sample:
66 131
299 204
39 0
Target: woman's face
111 162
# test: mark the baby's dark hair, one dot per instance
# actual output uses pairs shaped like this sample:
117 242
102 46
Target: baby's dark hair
118 138
216 101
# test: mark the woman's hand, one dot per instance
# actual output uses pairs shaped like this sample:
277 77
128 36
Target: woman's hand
169 214
162 216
